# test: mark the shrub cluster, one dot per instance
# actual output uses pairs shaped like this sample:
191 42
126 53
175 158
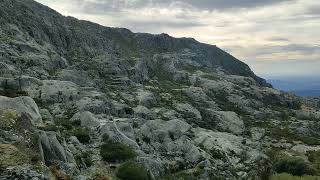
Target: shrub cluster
285 176
132 171
295 166
314 158
82 134
114 151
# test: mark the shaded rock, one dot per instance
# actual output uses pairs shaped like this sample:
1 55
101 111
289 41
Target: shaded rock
52 150
92 105
143 112
160 131
46 116
147 99
25 172
228 143
120 131
229 121
155 166
188 111
58 91
80 78
257 133
87 119
22 105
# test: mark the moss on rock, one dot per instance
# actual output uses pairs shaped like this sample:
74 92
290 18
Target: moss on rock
11 156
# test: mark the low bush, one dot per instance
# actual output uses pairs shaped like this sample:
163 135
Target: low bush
293 165
113 152
49 127
84 159
314 158
82 134
285 176
132 171
8 119
13 93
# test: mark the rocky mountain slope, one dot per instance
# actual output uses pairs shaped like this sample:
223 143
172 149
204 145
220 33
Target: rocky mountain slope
83 101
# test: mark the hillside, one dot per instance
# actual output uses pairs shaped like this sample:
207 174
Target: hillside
82 101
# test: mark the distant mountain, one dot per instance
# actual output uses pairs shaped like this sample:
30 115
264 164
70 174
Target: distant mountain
307 92
303 86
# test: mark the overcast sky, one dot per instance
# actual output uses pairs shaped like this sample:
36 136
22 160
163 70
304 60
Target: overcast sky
275 37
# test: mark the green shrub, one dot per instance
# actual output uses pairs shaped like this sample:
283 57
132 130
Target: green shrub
49 127
291 135
82 134
8 119
314 158
217 154
83 159
13 93
66 123
188 175
113 152
285 176
293 165
105 138
132 171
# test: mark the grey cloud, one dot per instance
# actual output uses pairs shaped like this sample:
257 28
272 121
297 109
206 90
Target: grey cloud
283 67
301 48
278 39
225 4
314 10
156 26
103 6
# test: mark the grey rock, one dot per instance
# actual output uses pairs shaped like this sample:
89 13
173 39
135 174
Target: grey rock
52 150
120 131
58 91
87 119
229 121
22 105
146 99
188 111
46 116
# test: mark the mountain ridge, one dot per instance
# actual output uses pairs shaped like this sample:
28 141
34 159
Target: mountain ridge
130 42
83 101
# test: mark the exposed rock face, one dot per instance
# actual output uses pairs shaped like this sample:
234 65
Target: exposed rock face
22 105
186 109
229 121
52 150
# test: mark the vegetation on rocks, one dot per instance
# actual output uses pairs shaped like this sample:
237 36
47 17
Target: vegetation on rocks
294 165
285 176
314 158
131 170
11 156
115 152
82 134
8 119
84 99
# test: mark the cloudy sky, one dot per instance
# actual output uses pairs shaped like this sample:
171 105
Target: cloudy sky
275 37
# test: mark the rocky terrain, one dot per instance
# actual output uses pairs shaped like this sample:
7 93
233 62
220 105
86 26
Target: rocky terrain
83 101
